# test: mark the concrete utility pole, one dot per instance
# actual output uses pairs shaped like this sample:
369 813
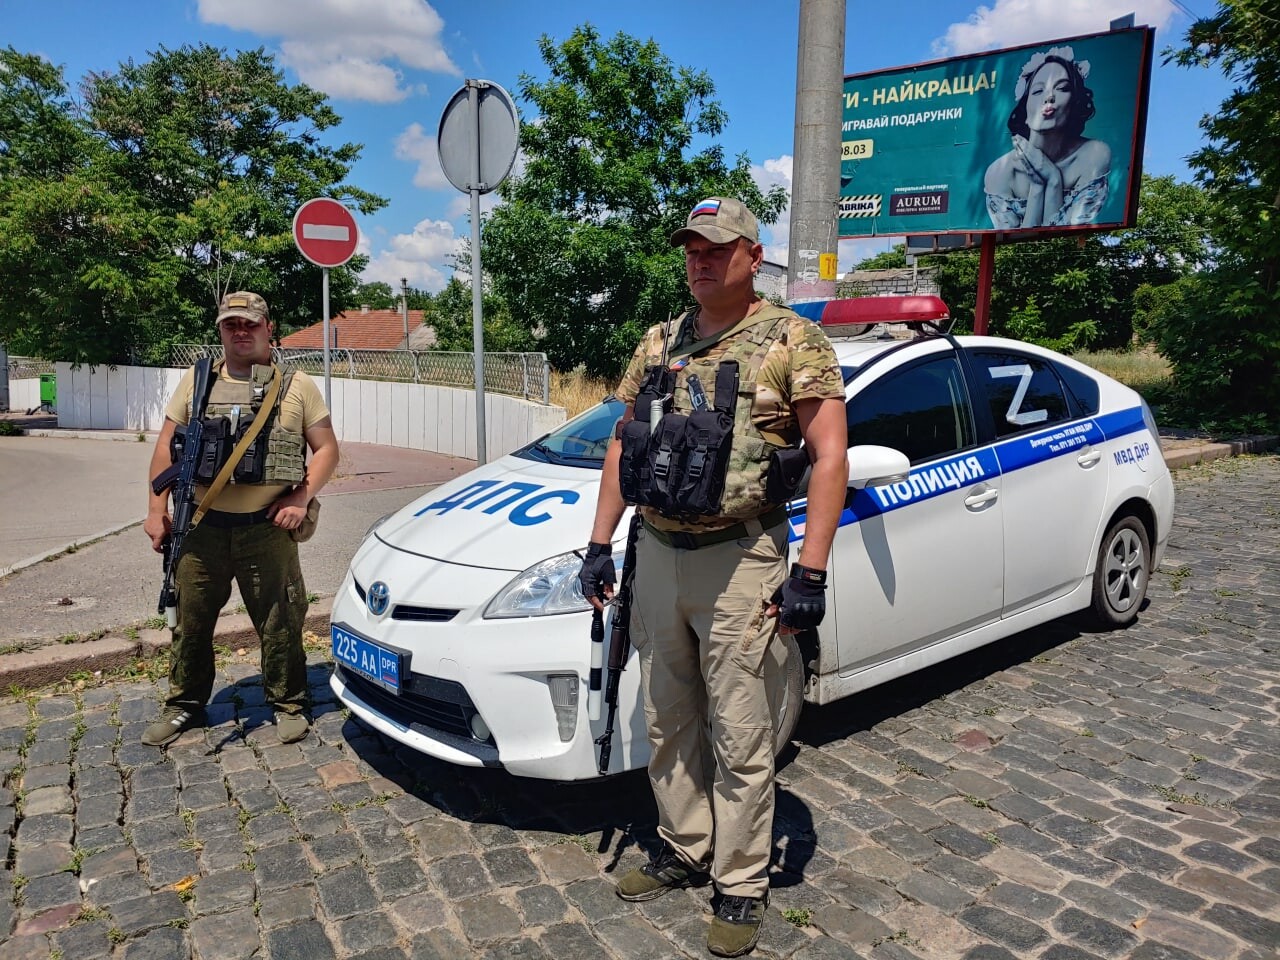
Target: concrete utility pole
815 180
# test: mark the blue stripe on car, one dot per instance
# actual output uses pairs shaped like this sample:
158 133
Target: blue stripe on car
1019 452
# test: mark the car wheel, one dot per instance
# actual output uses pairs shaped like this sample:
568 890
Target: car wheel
1123 569
789 690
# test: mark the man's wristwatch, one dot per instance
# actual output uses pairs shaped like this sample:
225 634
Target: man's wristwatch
809 575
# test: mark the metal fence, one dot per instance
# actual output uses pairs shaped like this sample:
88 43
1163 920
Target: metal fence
526 375
23 368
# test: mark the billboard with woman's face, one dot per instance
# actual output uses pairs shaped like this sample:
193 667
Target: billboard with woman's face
1042 137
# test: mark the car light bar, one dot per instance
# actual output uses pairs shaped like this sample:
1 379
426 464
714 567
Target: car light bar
867 311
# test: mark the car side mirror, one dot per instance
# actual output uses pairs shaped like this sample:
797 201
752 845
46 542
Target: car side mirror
873 466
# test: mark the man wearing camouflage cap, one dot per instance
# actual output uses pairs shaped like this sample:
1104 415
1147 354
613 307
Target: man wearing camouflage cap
249 533
712 590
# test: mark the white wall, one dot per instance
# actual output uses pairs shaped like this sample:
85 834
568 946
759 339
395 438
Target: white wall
24 394
412 415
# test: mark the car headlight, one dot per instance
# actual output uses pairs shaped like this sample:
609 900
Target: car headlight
546 588
376 524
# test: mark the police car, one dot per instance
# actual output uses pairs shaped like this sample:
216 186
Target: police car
993 486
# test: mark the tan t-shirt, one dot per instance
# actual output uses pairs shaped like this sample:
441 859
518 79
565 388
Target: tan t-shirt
302 408
800 365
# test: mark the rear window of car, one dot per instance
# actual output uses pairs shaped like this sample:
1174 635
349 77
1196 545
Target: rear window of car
1082 386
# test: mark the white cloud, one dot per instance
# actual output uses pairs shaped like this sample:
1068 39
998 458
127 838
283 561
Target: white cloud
345 48
423 256
416 145
460 206
1011 23
776 238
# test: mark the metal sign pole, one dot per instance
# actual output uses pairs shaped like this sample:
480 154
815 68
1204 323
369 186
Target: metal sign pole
477 146
324 294
477 275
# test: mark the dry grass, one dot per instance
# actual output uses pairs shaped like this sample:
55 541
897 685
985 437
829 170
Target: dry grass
577 392
1144 370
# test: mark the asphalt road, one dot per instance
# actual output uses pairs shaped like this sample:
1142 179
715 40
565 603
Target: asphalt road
56 491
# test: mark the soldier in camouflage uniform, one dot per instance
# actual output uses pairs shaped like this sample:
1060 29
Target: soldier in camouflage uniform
248 535
711 592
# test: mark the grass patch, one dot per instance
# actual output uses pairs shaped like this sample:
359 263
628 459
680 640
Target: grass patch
797 916
1143 369
1177 577
10 429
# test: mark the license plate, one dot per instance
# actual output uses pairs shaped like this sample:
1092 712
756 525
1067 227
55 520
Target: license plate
384 665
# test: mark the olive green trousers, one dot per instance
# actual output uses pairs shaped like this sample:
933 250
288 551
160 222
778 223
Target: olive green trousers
262 559
702 638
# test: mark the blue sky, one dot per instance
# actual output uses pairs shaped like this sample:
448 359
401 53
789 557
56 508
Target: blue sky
391 66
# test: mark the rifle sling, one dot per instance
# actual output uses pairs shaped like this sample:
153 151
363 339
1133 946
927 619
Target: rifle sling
220 481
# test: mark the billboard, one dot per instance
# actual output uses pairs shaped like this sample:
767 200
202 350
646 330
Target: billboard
1042 137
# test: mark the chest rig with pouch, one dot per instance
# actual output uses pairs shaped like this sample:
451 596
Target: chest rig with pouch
688 457
275 456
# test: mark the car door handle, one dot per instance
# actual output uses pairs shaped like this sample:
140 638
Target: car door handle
982 497
1090 457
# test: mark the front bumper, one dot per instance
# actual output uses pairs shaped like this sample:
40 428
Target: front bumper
465 665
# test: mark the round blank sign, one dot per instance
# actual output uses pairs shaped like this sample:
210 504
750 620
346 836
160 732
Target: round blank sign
494 136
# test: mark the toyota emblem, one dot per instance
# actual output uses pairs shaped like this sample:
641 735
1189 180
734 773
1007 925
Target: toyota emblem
379 597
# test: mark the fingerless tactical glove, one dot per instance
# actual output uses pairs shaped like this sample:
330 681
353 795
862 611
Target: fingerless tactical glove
802 599
597 570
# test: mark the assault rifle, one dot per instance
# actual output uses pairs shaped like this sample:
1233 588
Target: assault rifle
181 477
619 641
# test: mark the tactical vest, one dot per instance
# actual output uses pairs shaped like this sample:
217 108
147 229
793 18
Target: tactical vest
713 461
276 456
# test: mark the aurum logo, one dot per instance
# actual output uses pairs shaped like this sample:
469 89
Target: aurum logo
906 204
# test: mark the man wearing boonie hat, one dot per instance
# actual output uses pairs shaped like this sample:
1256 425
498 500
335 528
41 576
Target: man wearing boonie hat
711 589
250 530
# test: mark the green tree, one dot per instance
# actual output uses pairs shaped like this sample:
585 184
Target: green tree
1072 292
450 314
378 295
611 170
186 170
1221 330
68 235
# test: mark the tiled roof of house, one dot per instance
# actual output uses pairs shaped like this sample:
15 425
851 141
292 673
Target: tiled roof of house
358 330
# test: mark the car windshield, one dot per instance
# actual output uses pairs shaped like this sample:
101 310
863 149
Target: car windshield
582 441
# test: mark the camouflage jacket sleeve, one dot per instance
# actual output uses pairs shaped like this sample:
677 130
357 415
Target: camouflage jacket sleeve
814 372
648 351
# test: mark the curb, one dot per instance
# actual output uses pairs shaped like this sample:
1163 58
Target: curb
77 544
1216 451
52 662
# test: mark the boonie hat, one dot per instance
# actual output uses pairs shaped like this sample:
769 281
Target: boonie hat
720 220
242 303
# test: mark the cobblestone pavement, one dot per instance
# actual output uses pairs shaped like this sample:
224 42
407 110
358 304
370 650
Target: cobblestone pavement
1060 796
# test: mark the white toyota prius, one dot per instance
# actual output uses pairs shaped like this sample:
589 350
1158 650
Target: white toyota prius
993 486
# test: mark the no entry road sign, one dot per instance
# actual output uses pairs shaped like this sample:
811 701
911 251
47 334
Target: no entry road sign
325 232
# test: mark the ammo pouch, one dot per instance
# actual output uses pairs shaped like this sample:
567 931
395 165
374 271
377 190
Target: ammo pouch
633 468
252 465
679 469
215 445
787 468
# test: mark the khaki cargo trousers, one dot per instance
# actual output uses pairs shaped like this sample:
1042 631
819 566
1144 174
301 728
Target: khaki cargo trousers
702 638
263 560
